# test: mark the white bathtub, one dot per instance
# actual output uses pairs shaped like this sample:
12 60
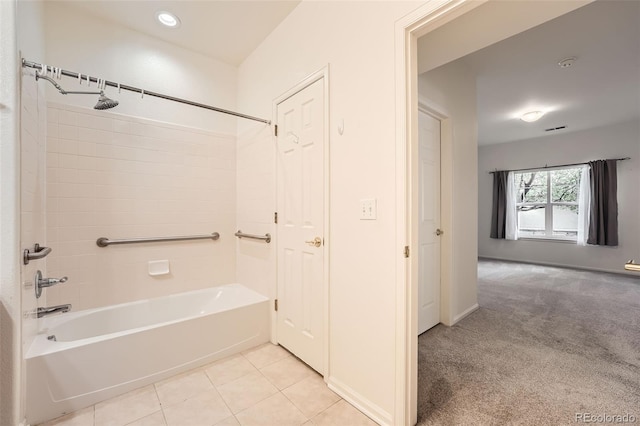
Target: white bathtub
101 353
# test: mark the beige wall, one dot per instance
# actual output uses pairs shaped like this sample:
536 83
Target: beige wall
83 43
10 309
451 89
357 40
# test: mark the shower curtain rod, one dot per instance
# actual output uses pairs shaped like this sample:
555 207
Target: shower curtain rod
553 167
84 77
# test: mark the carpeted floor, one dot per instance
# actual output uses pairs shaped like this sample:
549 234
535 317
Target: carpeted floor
546 344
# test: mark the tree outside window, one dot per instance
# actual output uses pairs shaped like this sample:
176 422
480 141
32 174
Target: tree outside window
547 203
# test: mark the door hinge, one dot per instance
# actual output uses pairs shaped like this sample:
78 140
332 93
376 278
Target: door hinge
275 305
406 251
275 130
275 217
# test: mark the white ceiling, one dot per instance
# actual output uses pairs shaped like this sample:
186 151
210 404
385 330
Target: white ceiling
225 30
521 74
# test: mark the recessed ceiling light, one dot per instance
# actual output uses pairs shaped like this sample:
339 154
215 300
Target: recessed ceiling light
531 116
168 19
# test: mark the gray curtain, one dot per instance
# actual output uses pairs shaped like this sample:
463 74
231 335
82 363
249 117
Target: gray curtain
603 218
499 211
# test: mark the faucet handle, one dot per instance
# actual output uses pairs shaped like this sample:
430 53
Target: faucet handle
41 283
48 282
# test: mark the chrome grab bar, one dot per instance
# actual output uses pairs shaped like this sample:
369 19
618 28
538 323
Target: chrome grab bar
37 253
104 242
266 237
632 266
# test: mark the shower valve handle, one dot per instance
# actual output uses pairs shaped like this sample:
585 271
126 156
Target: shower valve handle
48 282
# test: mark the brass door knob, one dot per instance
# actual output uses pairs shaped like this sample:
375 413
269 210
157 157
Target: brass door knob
316 242
439 232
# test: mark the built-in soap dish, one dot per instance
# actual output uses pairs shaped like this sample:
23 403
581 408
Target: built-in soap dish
158 267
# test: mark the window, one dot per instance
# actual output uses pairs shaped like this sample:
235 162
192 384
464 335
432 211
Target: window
547 203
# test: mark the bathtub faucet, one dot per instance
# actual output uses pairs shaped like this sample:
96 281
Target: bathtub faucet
52 310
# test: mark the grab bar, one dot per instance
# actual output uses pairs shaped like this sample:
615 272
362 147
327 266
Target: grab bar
37 253
104 242
632 266
266 237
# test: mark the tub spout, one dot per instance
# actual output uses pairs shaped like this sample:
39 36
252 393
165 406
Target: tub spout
52 310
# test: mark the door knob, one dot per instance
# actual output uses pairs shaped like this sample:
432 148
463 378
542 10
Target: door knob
316 242
439 232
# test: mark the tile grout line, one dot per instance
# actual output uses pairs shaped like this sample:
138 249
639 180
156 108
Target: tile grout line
204 370
164 417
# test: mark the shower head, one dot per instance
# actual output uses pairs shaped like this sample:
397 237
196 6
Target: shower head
105 103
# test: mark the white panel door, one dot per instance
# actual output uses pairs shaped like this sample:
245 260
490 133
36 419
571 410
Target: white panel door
300 251
429 222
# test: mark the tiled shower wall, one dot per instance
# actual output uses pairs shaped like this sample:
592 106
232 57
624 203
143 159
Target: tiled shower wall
115 176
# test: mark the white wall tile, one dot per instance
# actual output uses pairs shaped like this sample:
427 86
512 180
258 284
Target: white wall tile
124 177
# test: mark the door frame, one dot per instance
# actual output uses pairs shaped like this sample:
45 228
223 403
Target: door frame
426 18
321 74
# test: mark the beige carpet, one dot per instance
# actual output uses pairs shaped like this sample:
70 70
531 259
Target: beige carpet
546 345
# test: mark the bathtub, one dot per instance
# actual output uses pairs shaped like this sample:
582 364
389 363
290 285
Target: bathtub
101 353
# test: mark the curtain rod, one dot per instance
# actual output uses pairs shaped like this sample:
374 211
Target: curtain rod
553 167
84 77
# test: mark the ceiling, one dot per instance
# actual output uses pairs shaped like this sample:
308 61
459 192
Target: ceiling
521 73
224 30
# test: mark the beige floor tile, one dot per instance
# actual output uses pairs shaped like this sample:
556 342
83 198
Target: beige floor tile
342 413
82 417
182 387
204 409
246 391
229 421
266 354
156 419
229 369
287 372
275 410
127 408
311 395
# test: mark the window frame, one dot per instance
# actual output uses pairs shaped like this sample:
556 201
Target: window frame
548 206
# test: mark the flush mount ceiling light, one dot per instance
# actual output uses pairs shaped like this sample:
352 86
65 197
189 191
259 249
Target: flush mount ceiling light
531 116
567 62
168 19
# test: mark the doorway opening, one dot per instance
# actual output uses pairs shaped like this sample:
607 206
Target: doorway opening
452 30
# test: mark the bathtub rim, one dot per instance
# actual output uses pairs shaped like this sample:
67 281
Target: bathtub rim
41 346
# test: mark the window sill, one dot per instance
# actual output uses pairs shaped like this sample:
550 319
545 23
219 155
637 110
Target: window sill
548 240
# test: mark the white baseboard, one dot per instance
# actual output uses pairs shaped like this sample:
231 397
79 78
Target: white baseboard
372 411
464 314
562 265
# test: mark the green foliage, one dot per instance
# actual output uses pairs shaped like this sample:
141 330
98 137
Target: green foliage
532 186
565 185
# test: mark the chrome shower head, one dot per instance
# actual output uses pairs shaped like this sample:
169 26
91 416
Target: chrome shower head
105 103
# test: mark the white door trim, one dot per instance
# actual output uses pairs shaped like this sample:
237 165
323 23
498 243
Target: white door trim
323 73
428 17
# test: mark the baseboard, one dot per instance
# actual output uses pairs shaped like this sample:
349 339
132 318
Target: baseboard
372 411
562 265
464 314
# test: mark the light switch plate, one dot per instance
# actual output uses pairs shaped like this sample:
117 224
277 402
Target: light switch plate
368 209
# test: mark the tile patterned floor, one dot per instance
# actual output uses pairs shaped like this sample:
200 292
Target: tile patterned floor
265 385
